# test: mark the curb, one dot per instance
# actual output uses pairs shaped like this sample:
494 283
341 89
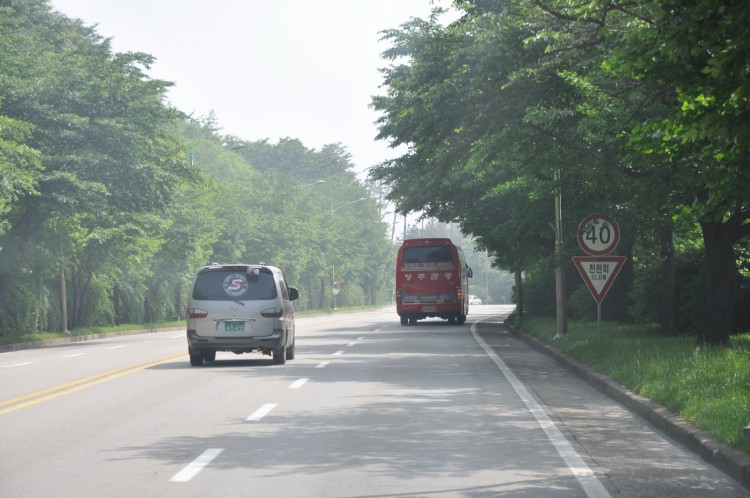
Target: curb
61 341
734 463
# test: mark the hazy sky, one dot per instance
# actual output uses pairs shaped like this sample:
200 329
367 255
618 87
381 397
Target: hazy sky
303 69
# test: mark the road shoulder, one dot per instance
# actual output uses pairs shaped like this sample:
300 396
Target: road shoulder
621 444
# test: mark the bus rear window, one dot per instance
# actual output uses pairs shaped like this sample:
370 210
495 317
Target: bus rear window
427 255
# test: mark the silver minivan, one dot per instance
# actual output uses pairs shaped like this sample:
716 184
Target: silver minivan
240 308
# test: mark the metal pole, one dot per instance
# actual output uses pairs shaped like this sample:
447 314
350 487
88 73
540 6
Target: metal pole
598 318
562 320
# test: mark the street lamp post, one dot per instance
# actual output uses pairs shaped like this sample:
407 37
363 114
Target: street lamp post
336 208
191 152
316 182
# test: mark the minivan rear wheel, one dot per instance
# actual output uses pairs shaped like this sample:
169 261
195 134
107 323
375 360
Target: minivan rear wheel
196 360
290 351
279 356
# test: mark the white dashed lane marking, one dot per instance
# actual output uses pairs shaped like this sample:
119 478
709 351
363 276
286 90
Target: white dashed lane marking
262 412
19 364
299 383
196 465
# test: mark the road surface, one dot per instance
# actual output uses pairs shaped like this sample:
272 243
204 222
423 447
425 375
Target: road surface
368 408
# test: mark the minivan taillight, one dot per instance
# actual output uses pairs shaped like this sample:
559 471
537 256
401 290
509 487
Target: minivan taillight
197 313
271 312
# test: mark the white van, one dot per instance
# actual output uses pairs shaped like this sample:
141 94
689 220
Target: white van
240 308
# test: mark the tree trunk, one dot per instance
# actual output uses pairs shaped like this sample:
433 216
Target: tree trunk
668 278
719 239
148 310
83 296
178 310
621 301
63 299
75 278
152 292
321 302
117 304
519 292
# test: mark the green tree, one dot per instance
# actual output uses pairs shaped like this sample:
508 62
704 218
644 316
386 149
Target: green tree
109 161
701 50
19 165
512 102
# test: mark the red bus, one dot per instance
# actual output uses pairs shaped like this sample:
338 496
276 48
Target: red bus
432 280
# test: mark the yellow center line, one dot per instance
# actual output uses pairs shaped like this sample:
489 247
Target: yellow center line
77 385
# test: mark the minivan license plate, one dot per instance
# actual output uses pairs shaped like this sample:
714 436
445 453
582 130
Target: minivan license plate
234 326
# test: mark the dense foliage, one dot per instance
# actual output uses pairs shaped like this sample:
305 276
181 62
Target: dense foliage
635 109
110 199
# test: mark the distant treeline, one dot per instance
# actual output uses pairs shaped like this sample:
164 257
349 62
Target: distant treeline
110 199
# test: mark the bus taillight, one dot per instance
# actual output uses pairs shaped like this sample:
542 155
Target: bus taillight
398 296
459 294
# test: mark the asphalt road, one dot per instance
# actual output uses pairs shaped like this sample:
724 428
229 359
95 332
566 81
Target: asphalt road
368 409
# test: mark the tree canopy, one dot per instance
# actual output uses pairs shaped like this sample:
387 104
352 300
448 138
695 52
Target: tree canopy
636 110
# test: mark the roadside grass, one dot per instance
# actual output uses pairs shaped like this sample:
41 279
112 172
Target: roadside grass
83 331
709 386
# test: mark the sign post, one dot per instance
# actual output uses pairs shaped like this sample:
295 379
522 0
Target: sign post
598 235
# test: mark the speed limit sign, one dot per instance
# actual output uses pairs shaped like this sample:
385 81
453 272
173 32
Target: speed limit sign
598 234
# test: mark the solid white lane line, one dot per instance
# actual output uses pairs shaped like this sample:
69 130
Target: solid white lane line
299 383
74 355
262 412
586 477
323 364
196 465
338 353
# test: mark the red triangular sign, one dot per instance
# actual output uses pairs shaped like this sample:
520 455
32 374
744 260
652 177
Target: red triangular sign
599 273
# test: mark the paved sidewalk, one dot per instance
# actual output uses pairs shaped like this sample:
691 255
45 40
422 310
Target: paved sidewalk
636 458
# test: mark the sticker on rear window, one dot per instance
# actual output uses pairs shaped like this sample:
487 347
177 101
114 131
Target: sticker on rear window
235 284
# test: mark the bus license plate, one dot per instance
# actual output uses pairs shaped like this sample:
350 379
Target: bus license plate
234 326
428 309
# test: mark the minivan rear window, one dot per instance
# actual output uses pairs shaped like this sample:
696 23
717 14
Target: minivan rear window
233 285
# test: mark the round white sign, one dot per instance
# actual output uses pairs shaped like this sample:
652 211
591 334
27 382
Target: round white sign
598 234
